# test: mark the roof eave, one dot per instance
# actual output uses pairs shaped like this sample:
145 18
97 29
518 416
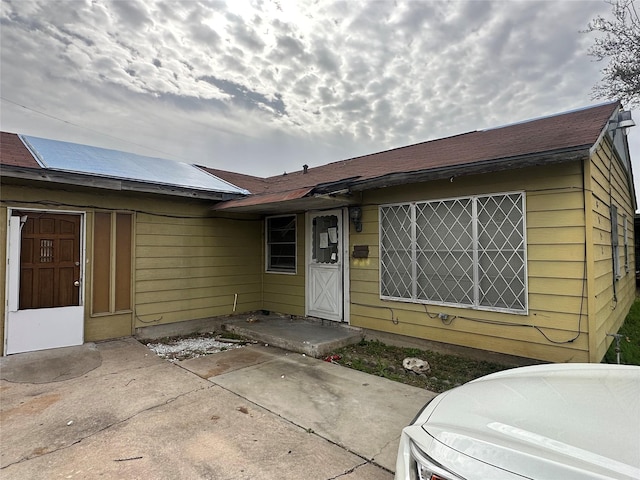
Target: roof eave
339 193
293 201
314 202
107 183
488 166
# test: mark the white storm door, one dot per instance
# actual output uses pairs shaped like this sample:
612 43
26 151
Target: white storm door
325 265
43 282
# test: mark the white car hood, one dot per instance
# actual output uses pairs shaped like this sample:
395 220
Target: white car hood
545 421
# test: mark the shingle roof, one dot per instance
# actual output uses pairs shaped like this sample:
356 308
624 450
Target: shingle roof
578 129
14 153
248 182
565 132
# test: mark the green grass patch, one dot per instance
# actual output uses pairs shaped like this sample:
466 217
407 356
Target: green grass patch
630 341
447 371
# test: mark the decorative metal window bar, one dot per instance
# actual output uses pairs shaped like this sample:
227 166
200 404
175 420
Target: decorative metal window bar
467 251
46 251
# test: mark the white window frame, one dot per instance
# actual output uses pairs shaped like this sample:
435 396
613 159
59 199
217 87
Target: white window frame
473 255
268 267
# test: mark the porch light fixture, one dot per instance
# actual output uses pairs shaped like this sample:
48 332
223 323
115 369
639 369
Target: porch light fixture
355 214
623 122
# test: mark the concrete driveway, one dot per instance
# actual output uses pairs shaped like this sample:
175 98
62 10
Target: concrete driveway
115 410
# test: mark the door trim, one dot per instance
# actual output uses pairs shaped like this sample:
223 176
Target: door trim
344 263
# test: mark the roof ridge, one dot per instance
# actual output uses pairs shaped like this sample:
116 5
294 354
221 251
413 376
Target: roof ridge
449 137
552 115
393 149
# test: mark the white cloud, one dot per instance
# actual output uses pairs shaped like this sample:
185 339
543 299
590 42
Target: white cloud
263 87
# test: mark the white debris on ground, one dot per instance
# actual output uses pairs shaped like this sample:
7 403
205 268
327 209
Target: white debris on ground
416 365
181 349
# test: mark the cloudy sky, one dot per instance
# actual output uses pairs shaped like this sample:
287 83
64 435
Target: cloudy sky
263 87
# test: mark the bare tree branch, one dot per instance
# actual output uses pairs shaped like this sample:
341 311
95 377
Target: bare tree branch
620 45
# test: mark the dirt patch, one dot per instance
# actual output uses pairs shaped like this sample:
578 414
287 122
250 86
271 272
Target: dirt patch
447 371
33 406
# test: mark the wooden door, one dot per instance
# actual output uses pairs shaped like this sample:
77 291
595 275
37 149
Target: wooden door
44 303
49 261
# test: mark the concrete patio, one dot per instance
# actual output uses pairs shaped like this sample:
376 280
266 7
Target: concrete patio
115 410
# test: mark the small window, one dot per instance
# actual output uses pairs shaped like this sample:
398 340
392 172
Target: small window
615 246
46 251
281 244
626 244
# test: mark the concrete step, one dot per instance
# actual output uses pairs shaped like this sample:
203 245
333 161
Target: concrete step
313 337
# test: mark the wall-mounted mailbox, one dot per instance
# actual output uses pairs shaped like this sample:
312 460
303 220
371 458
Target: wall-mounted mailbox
361 251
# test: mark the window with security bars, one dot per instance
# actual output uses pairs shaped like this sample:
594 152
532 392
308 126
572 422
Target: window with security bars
468 251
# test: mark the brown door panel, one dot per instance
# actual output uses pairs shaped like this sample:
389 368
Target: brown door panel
49 260
26 288
44 287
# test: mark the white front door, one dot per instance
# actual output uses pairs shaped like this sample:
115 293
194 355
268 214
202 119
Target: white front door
325 265
44 279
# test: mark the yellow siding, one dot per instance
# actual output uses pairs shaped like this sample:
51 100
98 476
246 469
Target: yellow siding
190 268
609 184
186 264
285 293
33 196
556 268
98 328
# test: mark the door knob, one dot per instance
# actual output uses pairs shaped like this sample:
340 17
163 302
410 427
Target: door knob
76 283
